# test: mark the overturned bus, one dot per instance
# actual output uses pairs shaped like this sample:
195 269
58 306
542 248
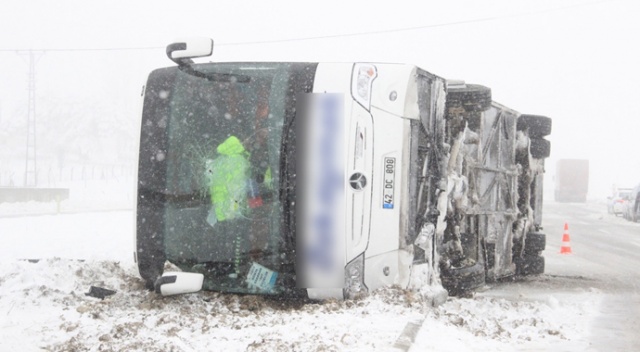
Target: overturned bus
329 180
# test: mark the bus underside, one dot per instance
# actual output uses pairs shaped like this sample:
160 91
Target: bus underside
494 191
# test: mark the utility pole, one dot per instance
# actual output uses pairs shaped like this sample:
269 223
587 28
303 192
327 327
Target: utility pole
30 169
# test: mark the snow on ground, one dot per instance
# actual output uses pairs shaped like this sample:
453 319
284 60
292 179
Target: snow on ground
101 236
43 305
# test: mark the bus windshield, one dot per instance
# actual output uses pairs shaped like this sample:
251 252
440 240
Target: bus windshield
221 203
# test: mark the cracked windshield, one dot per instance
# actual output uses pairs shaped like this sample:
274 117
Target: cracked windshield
223 154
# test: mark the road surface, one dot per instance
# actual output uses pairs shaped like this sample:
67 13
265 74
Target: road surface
605 257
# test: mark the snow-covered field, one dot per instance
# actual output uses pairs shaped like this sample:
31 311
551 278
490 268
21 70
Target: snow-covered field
43 305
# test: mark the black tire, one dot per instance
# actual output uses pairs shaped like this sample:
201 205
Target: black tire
540 148
536 125
529 265
459 282
534 243
473 98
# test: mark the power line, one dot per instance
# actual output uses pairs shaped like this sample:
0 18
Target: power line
84 49
342 35
407 29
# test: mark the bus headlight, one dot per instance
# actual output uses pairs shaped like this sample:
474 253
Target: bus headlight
354 278
361 82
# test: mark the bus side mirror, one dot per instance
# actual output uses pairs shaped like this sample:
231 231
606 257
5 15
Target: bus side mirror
182 51
176 283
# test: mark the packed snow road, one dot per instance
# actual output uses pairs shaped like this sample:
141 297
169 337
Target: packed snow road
605 256
587 300
605 248
604 260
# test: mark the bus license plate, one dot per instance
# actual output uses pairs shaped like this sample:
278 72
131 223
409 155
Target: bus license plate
389 176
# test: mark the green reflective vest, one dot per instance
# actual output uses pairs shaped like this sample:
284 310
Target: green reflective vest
228 176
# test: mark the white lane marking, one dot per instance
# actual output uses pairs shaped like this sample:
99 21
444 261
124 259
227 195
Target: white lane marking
605 231
408 335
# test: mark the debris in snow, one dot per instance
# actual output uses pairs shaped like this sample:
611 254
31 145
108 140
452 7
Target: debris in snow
41 310
99 292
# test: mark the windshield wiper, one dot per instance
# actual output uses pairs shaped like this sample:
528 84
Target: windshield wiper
215 76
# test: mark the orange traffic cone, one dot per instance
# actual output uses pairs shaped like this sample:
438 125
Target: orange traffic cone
566 246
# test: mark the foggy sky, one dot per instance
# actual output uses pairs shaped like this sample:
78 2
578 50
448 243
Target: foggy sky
574 61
